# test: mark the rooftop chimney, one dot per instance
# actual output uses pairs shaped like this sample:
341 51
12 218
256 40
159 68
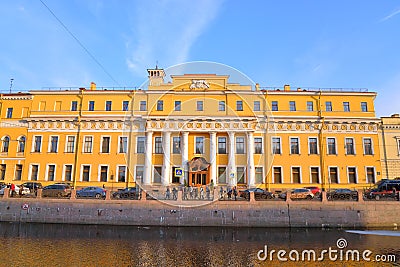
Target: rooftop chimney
92 86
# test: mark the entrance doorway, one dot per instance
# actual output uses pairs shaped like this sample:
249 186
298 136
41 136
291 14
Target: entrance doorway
198 172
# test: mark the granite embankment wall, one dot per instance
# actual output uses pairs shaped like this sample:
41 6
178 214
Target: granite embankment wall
347 214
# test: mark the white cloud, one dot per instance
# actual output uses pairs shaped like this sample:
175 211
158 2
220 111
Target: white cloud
164 31
391 15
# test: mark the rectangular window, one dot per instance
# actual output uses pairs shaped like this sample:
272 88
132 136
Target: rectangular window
88 144
57 106
3 171
314 175
277 175
398 146
222 175
221 105
125 105
296 175
259 175
157 174
310 106
108 105
258 145
34 172
364 107
274 106
257 106
276 145
158 149
294 145
328 106
160 105
121 173
123 144
143 106
199 105
221 145
74 105
91 105
70 144
199 145
68 173
42 105
105 144
177 105
176 145
50 172
313 146
38 144
139 174
292 105
352 175
370 175
331 146
9 113
349 146
103 173
239 105
241 175
368 146
18 172
346 106
86 173
53 144
239 145
333 175
140 144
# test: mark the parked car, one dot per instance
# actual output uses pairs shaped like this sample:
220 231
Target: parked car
128 192
258 193
91 191
315 190
56 190
342 193
298 193
33 186
25 190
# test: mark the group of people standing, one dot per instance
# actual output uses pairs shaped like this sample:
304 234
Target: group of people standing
201 193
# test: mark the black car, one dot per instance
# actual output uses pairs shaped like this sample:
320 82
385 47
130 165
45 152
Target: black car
56 190
342 194
258 193
128 192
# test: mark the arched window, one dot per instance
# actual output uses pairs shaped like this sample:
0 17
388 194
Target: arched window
21 144
5 144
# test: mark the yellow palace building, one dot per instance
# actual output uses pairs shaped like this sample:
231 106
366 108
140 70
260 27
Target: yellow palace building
196 129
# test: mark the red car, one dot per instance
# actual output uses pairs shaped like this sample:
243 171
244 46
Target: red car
315 190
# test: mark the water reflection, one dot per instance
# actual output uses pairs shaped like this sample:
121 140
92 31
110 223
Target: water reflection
87 245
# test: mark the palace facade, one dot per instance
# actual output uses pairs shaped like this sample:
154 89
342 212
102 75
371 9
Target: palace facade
196 129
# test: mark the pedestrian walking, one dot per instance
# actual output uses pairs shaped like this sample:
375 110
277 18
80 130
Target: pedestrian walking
174 195
208 193
235 192
221 192
185 196
12 188
190 192
167 193
201 193
229 192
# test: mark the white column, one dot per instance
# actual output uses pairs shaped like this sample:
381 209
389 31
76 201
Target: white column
166 169
185 156
148 164
231 176
250 160
213 157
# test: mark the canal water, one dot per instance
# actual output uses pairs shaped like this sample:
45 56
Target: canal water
88 245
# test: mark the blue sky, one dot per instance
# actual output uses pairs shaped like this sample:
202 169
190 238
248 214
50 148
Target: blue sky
323 44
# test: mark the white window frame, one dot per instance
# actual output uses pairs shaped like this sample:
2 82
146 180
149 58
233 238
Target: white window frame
99 172
366 173
319 174
46 178
372 146
105 105
397 143
119 144
172 144
109 145
156 151
49 145
116 178
300 174
195 142
254 105
280 145
348 174
144 144
123 105
309 147
338 174
34 143
63 172
66 144
290 143
245 174
153 173
327 145
30 171
262 144
18 144
273 174
84 142
244 145
226 173
145 105
354 145
262 174
135 177
81 172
